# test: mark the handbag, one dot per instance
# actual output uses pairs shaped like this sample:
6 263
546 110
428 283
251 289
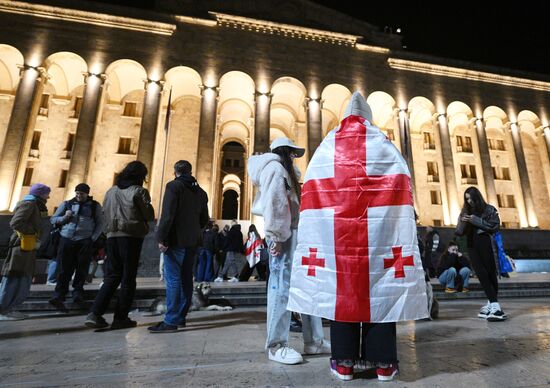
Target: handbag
49 249
28 241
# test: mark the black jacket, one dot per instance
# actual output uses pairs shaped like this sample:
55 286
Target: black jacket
184 213
210 240
234 240
449 260
488 222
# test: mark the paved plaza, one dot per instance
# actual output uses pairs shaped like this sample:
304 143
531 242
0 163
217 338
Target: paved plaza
226 349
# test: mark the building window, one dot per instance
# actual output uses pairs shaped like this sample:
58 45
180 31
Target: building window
501 173
463 144
131 109
126 146
236 163
433 172
435 196
77 107
506 201
27 179
429 143
35 143
63 178
468 174
227 162
437 223
44 105
496 144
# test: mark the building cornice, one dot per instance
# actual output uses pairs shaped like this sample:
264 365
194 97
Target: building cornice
286 30
472 75
86 17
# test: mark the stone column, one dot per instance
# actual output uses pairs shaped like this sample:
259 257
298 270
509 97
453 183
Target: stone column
207 142
314 128
18 134
85 130
485 158
547 140
262 106
406 145
523 176
149 123
448 168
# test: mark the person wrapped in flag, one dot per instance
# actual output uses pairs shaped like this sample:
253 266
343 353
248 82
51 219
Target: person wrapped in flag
357 261
278 201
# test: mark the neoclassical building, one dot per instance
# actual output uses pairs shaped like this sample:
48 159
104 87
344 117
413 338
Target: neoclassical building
86 87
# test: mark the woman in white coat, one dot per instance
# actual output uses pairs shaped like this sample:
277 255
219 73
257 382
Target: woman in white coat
278 201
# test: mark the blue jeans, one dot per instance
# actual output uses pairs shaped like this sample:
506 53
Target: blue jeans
178 276
204 266
278 317
53 270
447 278
13 291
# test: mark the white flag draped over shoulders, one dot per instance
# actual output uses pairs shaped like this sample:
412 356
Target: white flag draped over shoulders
357 258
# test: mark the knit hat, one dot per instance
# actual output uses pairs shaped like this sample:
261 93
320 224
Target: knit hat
40 190
82 187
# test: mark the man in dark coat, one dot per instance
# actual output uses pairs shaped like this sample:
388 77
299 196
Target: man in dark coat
233 247
184 215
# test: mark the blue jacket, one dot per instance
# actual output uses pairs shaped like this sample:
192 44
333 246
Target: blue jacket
81 225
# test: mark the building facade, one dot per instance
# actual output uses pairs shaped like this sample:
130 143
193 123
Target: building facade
85 90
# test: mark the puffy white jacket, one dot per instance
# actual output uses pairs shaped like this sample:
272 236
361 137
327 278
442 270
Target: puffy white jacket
267 172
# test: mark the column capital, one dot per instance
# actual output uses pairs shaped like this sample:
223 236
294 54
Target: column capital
318 100
148 81
88 74
269 95
215 88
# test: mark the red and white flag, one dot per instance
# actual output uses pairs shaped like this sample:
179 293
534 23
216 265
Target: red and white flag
357 258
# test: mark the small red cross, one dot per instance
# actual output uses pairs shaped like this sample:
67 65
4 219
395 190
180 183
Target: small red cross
312 261
398 261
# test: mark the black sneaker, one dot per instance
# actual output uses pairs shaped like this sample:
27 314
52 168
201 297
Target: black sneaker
162 327
58 304
95 321
125 323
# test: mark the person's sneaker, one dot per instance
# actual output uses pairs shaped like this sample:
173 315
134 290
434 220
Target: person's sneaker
58 304
95 321
284 355
387 373
233 280
7 317
342 369
162 327
464 289
125 323
17 315
363 365
496 314
321 348
484 311
218 279
51 283
449 290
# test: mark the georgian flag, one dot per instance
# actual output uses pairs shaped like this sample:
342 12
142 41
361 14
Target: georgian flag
357 258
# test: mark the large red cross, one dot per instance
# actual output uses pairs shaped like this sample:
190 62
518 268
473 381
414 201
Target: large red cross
312 261
398 261
350 193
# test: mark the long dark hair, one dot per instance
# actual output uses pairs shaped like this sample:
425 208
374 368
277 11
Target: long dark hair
479 203
133 174
252 228
284 152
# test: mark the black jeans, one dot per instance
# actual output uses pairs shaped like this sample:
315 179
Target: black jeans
482 258
374 342
120 267
247 271
74 257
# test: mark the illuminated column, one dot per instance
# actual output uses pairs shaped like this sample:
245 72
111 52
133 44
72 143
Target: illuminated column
406 146
485 158
314 129
18 138
262 121
523 177
547 140
82 152
448 167
207 141
149 123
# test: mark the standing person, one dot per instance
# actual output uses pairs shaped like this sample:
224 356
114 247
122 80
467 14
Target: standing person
233 248
221 254
184 215
478 221
277 178
430 252
253 248
451 264
128 211
209 247
81 223
18 267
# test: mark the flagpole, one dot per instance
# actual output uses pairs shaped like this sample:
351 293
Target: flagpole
167 130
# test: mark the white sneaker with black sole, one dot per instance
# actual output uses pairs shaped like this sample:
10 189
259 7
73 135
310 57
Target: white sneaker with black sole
484 311
496 314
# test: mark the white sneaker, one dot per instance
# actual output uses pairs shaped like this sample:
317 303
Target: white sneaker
321 348
233 280
16 315
284 355
6 317
484 311
51 283
218 280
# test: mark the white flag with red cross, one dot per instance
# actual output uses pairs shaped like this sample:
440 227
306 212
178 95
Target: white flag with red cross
357 258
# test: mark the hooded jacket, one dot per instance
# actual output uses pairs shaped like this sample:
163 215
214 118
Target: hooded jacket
184 213
234 239
280 204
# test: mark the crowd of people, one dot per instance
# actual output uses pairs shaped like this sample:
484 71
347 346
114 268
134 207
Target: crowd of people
194 249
